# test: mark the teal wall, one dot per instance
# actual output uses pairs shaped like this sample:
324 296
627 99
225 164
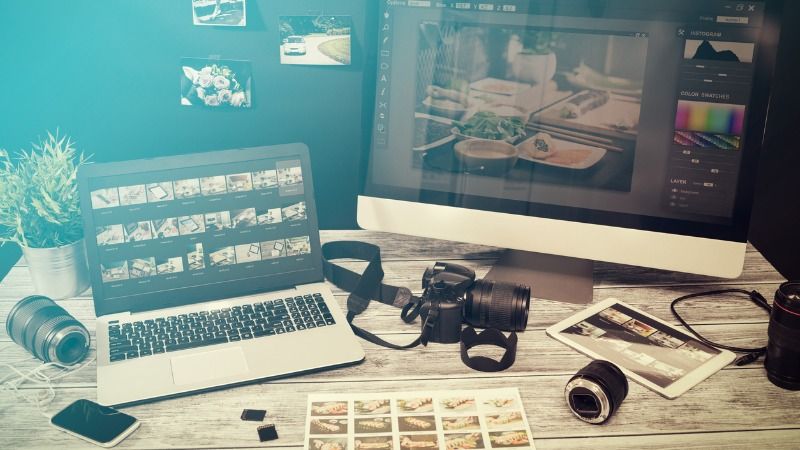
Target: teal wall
108 73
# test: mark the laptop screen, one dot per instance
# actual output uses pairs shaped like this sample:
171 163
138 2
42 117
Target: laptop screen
193 228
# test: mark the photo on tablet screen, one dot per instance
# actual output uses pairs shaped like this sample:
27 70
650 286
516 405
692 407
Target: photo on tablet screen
649 349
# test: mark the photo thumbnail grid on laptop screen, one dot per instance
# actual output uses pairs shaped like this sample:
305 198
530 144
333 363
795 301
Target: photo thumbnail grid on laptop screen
627 106
167 230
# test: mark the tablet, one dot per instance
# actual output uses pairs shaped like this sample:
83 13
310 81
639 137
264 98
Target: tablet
648 350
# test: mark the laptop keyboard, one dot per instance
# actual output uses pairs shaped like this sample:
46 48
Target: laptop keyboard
217 326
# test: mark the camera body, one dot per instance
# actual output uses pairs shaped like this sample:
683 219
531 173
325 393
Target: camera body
452 295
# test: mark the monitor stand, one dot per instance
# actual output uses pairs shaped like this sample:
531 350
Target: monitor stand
550 277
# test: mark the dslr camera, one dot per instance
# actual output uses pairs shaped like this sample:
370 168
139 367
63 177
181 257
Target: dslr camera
452 295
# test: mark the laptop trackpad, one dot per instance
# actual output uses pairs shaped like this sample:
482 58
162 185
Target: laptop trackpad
208 366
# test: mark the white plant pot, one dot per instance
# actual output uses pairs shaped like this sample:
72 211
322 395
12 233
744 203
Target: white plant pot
534 68
60 272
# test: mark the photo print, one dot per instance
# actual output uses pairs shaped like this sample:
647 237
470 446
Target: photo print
195 256
265 179
160 192
110 235
328 426
315 40
138 231
132 195
191 224
239 182
166 228
142 267
416 405
230 13
294 212
565 99
463 441
416 423
417 441
114 271
327 443
458 404
273 249
335 408
248 253
187 188
462 423
268 216
373 443
216 83
502 439
698 50
222 256
370 407
373 425
298 246
503 420
105 198
242 218
165 266
218 221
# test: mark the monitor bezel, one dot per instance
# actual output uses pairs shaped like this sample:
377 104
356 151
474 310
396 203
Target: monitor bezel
736 231
200 293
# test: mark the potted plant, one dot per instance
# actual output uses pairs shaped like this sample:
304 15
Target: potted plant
39 210
535 62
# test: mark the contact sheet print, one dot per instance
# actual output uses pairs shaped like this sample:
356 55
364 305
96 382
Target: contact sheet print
444 420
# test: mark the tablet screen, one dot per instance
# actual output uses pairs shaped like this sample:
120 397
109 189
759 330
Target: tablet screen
657 353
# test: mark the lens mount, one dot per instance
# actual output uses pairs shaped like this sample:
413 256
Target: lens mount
583 387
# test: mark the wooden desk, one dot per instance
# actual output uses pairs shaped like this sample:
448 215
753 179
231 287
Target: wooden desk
737 407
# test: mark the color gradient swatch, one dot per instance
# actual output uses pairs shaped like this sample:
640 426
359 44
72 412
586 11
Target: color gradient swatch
706 117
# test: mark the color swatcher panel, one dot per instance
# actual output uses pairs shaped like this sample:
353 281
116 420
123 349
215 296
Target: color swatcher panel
443 420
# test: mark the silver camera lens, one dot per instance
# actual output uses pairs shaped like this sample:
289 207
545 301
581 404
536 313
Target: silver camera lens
48 331
596 391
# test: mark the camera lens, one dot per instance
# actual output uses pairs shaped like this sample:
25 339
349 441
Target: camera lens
596 391
504 306
46 330
783 349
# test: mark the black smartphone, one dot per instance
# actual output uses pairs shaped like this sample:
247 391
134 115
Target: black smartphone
95 423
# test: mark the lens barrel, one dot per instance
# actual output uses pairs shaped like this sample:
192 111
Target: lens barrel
596 391
783 349
47 331
491 304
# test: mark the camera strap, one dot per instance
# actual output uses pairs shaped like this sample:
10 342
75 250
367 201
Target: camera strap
368 286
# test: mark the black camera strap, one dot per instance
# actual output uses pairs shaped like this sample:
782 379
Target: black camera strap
368 286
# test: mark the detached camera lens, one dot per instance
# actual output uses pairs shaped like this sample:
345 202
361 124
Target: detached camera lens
498 305
596 391
783 348
47 331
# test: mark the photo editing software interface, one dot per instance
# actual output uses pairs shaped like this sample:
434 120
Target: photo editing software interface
161 231
624 106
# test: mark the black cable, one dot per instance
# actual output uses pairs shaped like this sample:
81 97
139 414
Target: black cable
751 354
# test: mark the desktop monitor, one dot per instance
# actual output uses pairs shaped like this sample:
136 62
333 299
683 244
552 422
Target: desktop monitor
625 131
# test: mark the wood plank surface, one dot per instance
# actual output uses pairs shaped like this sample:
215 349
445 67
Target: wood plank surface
736 408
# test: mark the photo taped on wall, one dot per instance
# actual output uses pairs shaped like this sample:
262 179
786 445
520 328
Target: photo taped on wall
315 40
212 83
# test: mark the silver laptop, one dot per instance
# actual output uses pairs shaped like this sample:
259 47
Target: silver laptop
207 272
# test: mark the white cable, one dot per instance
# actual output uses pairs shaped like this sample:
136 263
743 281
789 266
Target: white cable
40 380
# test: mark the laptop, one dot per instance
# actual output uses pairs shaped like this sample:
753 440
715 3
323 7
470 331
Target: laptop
206 272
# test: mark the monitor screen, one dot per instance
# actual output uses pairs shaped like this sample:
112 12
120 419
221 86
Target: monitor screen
214 225
643 114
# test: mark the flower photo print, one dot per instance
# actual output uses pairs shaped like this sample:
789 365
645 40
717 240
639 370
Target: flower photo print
216 83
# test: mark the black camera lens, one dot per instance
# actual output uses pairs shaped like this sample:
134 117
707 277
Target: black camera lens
46 330
783 348
596 392
504 306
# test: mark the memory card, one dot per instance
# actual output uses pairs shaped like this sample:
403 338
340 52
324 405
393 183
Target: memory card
254 415
267 432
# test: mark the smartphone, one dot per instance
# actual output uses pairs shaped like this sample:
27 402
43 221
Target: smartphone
95 423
